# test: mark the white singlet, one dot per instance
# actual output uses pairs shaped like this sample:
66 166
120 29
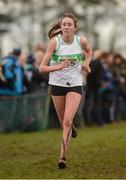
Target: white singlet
71 76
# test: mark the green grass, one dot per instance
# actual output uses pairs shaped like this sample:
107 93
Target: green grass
96 153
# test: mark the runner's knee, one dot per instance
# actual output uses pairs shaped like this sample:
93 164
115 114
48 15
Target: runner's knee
67 123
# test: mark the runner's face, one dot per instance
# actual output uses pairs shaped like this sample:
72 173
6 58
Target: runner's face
67 26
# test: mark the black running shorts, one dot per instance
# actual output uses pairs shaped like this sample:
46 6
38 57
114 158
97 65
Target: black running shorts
62 91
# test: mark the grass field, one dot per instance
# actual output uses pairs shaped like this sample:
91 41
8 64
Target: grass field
96 153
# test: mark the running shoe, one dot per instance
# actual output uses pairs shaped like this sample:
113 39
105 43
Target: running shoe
62 163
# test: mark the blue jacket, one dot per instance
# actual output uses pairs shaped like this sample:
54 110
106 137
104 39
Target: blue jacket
14 74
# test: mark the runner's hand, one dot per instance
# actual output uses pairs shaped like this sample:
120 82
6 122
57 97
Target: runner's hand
65 63
86 68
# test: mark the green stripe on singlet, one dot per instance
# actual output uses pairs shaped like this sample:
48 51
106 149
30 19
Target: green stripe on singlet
72 57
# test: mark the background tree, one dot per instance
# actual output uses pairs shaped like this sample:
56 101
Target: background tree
103 22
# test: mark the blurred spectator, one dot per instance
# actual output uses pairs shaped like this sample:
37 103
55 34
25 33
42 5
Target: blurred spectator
107 90
120 82
99 106
35 80
92 103
13 73
39 53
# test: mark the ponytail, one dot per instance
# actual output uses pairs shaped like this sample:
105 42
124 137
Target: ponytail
54 30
